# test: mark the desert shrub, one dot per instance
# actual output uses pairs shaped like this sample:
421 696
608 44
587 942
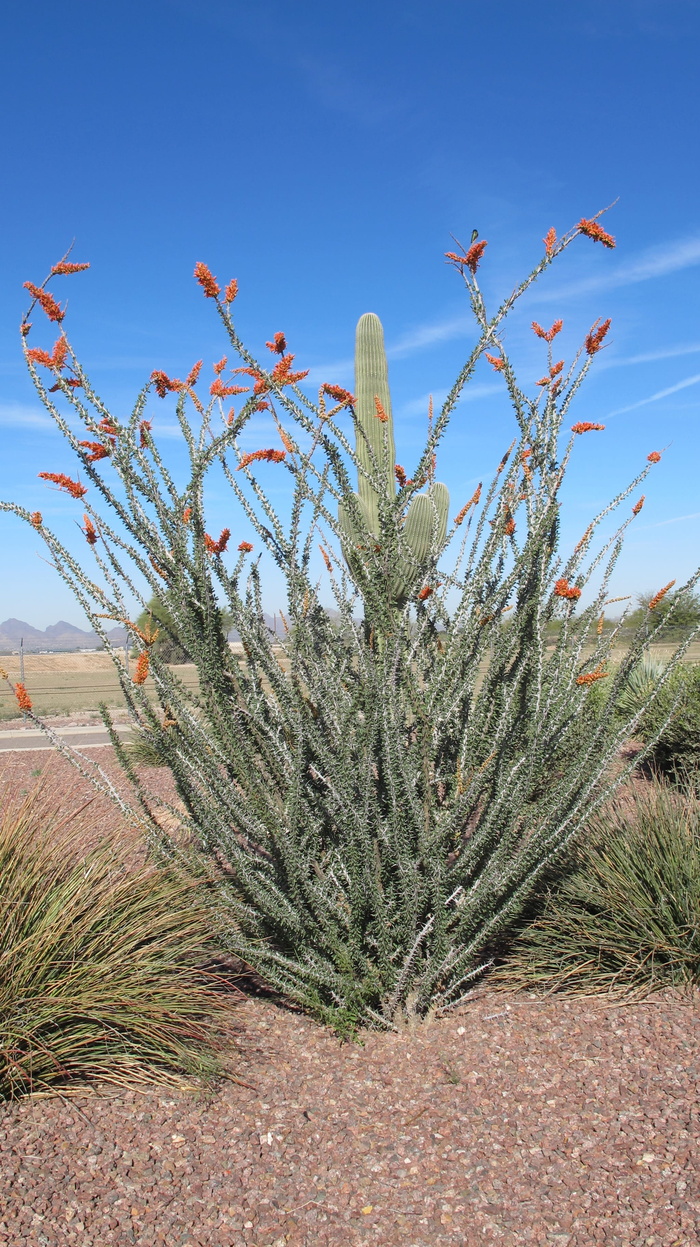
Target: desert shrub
671 726
100 974
624 916
372 797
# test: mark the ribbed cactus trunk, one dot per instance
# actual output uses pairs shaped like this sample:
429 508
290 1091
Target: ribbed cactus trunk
407 545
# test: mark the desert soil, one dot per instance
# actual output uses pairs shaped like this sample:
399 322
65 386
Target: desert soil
517 1120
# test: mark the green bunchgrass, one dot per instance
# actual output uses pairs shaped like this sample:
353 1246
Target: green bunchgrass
624 917
100 974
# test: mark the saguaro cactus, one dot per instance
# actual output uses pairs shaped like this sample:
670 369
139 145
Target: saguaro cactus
424 527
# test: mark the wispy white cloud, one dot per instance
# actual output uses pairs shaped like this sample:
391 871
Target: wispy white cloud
22 416
676 519
650 357
425 335
656 262
653 398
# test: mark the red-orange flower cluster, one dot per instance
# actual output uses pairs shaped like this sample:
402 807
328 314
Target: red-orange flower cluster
97 451
63 268
586 426
245 547
509 526
595 338
193 374
74 488
400 475
164 383
654 457
549 240
548 334
23 699
218 390
425 593
472 503
207 280
590 677
661 594
595 231
278 344
563 589
45 300
471 258
36 519
144 430
142 665
219 367
326 559
339 395
638 505
282 375
231 291
217 547
495 361
56 360
268 456
379 411
186 515
90 531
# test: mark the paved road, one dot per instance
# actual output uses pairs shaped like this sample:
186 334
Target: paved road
80 737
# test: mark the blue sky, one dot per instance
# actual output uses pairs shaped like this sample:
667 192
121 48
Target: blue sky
323 155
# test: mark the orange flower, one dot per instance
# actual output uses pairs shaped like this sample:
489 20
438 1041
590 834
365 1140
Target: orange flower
163 383
269 456
591 676
75 489
142 665
286 441
638 505
231 291
380 412
548 334
472 257
219 368
217 547
63 268
595 338
23 698
109 427
193 375
282 375
144 428
661 594
245 547
654 457
89 530
556 368
24 328
339 394
186 515
400 475
585 426
495 361
35 519
549 240
509 527
326 559
425 593
207 280
472 503
563 589
219 390
45 300
97 451
37 356
278 344
595 231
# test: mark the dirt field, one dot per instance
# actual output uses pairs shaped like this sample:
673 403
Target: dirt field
69 684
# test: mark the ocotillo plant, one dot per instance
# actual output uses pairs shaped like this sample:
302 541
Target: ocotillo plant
376 800
409 541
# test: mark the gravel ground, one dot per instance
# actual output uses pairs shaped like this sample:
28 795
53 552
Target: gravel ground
518 1120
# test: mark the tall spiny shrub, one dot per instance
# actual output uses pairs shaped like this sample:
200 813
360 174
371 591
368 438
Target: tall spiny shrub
375 798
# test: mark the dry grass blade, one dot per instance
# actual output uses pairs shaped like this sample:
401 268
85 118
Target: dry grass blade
100 966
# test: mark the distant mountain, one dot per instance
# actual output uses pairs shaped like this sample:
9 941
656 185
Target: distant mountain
58 636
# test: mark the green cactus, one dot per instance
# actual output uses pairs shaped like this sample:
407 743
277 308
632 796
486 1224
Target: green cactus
425 526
